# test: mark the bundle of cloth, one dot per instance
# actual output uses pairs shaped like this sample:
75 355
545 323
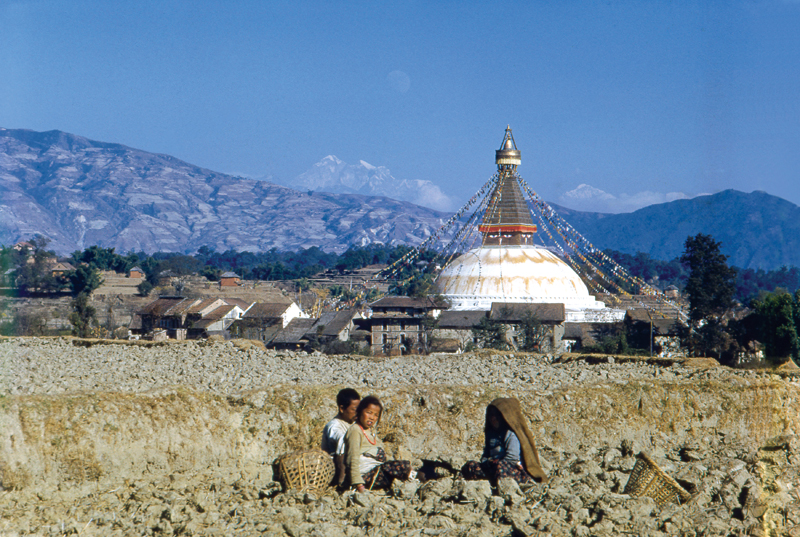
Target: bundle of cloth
509 449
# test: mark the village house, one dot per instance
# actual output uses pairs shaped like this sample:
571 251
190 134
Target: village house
295 336
229 279
264 320
454 330
136 273
401 324
176 317
310 333
58 268
640 323
216 322
672 292
547 321
336 325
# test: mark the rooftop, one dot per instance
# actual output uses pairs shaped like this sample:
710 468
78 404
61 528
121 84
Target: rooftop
267 310
518 311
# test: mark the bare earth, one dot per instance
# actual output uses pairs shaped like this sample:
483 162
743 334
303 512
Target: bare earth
100 438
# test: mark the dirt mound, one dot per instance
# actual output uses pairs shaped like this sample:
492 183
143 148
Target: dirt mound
190 461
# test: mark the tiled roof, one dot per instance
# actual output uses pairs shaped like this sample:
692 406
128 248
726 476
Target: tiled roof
406 302
515 311
460 319
639 314
167 306
61 266
295 331
335 322
229 275
267 310
202 324
201 305
244 304
220 312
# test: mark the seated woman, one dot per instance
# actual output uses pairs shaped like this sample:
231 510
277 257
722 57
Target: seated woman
366 462
509 450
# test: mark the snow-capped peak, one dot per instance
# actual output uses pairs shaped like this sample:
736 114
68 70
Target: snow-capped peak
367 165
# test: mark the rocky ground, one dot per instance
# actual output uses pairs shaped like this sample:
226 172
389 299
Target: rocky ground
118 439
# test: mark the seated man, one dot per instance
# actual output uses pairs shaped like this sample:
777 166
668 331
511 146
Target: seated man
333 434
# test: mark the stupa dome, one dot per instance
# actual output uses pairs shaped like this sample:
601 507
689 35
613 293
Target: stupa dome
515 274
508 267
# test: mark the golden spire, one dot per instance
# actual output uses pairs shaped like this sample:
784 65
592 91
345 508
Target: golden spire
507 220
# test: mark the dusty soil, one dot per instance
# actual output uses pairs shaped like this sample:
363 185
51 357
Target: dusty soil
117 439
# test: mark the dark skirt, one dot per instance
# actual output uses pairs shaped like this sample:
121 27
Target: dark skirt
495 469
381 476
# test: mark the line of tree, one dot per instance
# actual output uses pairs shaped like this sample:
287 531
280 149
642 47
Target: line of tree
711 286
413 279
718 326
748 283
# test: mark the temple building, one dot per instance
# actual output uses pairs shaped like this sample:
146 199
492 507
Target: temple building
508 267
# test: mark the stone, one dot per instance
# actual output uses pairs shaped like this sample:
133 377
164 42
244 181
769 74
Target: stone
495 507
475 492
509 490
437 489
405 490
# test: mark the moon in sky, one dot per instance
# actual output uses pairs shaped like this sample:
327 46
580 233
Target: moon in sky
399 81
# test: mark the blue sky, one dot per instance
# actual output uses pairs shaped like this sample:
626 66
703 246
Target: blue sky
628 97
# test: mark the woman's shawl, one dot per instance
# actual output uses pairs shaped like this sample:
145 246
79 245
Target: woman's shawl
512 412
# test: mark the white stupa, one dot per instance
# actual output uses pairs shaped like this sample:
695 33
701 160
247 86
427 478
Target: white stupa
508 266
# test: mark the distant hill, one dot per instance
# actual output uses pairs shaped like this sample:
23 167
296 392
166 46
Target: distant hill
756 230
79 192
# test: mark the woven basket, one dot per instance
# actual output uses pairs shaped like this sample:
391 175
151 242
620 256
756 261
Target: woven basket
306 470
647 479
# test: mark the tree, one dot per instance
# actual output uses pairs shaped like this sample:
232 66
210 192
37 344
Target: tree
144 288
25 324
533 333
84 279
418 285
212 274
180 265
710 289
32 272
102 259
83 317
111 320
490 334
711 283
776 322
796 313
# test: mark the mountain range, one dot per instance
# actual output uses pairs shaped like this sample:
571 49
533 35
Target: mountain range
756 230
335 176
79 192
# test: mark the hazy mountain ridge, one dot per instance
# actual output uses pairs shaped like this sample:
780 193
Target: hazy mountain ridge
757 230
79 192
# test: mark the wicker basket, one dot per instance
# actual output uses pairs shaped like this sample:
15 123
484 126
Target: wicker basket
306 470
647 479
